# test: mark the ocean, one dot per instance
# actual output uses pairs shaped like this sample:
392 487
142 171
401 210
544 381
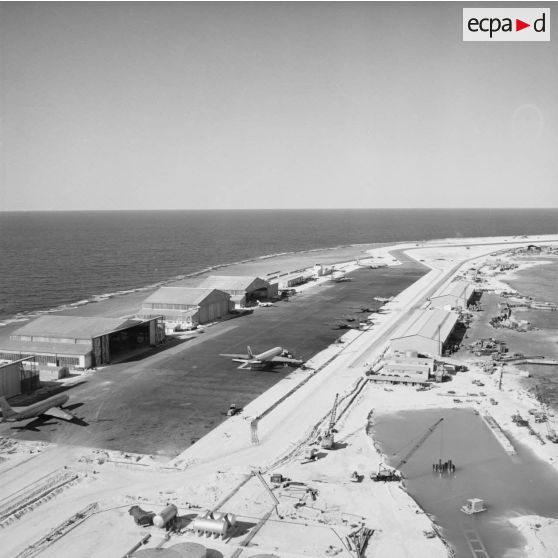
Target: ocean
55 259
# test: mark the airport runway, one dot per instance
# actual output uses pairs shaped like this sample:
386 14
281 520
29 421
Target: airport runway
166 401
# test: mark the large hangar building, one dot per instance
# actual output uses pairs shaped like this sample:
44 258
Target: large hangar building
185 307
243 289
76 341
427 332
454 295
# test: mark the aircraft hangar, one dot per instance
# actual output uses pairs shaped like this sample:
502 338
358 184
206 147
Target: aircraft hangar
185 306
83 342
427 332
243 289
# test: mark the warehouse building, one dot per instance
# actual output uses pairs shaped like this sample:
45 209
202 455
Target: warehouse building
20 376
421 368
186 307
242 289
83 342
455 295
426 333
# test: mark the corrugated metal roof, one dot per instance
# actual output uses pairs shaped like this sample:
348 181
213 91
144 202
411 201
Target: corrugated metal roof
432 324
181 295
233 282
25 347
459 289
72 327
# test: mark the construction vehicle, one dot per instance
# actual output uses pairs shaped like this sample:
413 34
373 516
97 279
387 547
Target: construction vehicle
386 474
311 454
328 441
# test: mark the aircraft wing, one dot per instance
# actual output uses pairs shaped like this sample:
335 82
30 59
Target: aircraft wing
58 413
286 360
243 357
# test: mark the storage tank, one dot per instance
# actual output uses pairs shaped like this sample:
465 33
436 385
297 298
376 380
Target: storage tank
207 526
190 550
157 553
411 354
162 518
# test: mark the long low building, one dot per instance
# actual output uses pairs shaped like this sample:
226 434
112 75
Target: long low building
243 289
426 333
185 307
455 295
77 341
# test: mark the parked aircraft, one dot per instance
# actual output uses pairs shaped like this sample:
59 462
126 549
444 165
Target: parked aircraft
264 304
363 309
339 277
50 407
271 357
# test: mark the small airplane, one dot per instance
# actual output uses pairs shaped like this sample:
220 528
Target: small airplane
264 304
345 325
370 265
348 318
339 277
50 407
271 357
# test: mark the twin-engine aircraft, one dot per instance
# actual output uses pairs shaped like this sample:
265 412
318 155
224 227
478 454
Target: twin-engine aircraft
268 358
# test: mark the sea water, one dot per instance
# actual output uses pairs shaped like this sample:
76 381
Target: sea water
509 485
50 259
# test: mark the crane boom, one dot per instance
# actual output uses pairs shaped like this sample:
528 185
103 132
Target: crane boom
423 439
333 413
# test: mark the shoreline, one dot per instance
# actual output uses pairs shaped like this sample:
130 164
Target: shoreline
118 295
211 467
20 317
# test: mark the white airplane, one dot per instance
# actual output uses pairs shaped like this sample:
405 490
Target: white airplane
339 277
50 407
271 357
264 304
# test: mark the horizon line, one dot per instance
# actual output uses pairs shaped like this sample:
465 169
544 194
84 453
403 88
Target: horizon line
278 209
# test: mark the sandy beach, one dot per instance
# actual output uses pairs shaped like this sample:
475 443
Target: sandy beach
272 435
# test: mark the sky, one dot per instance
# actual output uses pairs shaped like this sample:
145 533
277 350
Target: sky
270 105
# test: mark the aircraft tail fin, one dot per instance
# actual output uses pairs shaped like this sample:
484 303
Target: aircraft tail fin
250 353
7 411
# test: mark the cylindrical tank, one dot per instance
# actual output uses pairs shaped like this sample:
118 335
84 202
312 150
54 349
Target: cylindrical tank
210 526
190 550
411 354
157 553
162 518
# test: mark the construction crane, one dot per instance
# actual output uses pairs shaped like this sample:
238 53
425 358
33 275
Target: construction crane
327 439
423 439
